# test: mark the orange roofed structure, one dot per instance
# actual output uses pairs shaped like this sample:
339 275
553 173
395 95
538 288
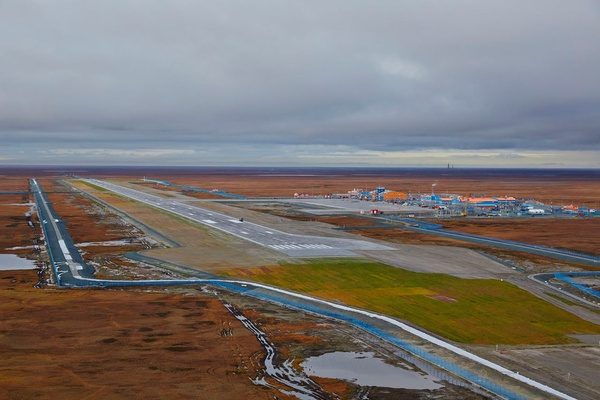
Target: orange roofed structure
392 196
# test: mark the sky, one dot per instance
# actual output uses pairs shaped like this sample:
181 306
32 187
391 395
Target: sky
395 83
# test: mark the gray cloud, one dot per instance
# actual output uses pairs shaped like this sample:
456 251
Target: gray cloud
383 76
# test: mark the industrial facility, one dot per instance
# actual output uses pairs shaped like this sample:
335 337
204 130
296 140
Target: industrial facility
446 204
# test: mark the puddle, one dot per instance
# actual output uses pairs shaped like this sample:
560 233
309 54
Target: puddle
10 262
365 369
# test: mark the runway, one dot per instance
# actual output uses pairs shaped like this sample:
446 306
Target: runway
289 244
64 252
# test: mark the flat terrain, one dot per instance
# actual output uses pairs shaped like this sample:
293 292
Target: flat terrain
73 344
133 344
456 308
572 233
15 233
543 185
136 344
104 236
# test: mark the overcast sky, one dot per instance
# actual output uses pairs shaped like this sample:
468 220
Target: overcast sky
271 82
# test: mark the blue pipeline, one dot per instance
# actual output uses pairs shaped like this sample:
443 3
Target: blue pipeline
437 227
417 351
566 277
217 192
454 369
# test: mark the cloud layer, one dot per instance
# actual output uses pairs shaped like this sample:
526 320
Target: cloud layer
168 80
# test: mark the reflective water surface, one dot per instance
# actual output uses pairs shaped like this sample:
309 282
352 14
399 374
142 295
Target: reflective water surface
365 369
9 262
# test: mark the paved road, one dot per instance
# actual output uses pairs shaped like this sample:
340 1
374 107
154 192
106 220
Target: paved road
292 245
65 256
506 244
71 270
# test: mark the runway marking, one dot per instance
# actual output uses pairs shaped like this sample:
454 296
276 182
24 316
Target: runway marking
316 246
235 221
209 221
65 250
299 246
245 233
269 232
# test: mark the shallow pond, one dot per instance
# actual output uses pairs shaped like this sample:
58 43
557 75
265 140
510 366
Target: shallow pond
10 262
365 369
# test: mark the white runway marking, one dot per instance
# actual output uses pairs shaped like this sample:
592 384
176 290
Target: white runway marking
235 221
65 251
245 233
269 232
209 221
299 246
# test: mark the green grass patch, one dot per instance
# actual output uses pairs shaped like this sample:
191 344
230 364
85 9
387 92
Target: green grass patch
472 311
96 187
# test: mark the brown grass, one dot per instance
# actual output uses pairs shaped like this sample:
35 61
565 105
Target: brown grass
576 234
549 189
117 344
135 345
